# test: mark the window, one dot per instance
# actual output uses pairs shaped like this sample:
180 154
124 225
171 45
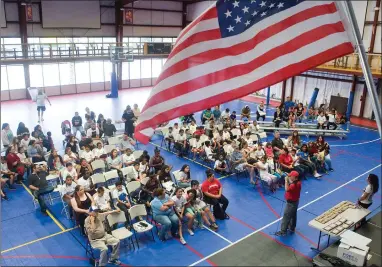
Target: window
156 67
82 72
107 68
145 39
146 68
125 70
66 73
135 69
12 46
16 76
96 72
36 77
51 74
4 78
157 40
167 40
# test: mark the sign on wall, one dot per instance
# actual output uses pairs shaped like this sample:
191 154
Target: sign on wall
128 16
29 12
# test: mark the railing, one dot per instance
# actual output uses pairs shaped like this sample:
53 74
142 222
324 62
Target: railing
351 63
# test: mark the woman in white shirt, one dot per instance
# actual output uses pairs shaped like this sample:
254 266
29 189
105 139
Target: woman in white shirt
69 156
372 187
184 178
270 179
182 210
99 151
114 161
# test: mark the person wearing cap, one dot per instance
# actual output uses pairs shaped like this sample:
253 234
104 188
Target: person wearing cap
292 197
246 112
99 239
126 143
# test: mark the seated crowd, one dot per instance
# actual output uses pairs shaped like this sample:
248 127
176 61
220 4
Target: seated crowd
289 113
228 146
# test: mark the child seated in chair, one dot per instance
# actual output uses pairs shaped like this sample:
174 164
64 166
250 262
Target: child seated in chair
269 178
197 147
182 209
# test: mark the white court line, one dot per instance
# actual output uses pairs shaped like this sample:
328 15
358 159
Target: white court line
363 127
357 144
275 221
219 235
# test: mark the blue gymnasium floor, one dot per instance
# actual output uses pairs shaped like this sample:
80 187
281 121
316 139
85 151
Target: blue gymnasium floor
31 239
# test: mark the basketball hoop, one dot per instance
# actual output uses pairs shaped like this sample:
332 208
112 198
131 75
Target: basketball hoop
120 54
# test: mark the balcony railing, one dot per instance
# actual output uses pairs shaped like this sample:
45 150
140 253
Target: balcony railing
62 51
351 63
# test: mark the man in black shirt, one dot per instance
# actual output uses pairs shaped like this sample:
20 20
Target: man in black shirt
85 141
38 185
277 144
109 128
77 124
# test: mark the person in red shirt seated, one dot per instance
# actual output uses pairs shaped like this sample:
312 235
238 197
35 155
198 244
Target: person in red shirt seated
213 195
286 160
292 197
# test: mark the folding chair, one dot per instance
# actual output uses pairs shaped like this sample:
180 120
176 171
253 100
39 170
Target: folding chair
141 226
114 141
176 176
121 233
236 132
131 187
254 138
109 148
90 251
145 180
60 189
111 178
137 154
263 135
98 179
98 166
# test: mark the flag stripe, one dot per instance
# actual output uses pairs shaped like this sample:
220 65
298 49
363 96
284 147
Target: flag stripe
247 35
240 48
229 67
204 25
200 37
275 77
178 103
210 13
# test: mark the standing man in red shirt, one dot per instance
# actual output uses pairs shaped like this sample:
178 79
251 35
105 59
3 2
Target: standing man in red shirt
292 196
212 191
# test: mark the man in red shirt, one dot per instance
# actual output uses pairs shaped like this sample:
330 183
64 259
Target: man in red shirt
212 190
292 196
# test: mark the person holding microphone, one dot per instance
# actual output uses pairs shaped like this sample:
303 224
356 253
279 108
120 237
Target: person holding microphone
292 196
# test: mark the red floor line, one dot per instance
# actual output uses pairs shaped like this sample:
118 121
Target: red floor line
269 237
278 216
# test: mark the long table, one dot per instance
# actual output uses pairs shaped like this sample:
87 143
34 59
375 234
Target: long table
351 214
372 230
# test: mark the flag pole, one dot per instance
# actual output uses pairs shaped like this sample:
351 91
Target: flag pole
365 66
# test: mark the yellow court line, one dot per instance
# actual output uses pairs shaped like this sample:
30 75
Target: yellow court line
48 212
37 240
183 157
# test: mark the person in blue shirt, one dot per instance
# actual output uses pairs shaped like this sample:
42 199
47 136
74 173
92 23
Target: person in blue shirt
289 103
305 160
163 213
217 113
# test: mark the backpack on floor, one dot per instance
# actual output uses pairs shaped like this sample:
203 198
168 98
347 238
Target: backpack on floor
218 212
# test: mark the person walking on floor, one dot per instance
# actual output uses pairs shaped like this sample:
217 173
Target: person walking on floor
292 197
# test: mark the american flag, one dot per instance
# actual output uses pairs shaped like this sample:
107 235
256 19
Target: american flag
237 47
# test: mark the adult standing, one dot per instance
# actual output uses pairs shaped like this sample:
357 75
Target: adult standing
213 194
292 197
6 135
81 203
77 124
40 101
372 187
128 118
289 104
260 112
39 186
